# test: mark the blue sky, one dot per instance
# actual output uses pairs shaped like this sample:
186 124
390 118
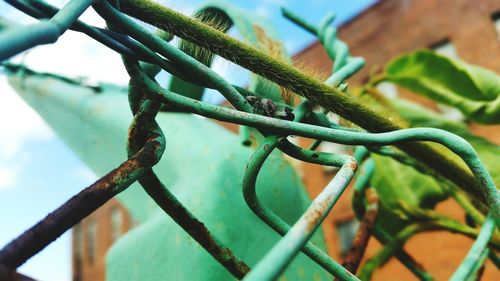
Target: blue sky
38 172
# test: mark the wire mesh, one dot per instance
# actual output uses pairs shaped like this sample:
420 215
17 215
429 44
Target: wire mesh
146 141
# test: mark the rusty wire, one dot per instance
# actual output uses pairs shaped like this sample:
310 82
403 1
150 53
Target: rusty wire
354 255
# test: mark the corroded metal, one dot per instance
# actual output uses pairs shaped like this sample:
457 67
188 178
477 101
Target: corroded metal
353 257
80 206
145 110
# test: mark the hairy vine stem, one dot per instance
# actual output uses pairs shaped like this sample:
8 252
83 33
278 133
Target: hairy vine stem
289 77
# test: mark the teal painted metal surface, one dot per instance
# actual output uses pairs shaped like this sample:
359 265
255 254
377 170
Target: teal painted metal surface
208 219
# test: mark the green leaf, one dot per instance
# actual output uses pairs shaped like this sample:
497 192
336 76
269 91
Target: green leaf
396 183
473 90
418 116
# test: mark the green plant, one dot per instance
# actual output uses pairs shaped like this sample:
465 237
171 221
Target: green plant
408 179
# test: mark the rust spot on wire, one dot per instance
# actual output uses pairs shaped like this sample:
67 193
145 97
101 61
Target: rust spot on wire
314 217
353 165
357 250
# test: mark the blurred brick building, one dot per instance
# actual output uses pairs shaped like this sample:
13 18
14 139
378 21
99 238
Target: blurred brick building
93 236
468 29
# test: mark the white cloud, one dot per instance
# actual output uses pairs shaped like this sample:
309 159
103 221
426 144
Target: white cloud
231 72
11 169
18 124
85 174
7 177
263 10
73 55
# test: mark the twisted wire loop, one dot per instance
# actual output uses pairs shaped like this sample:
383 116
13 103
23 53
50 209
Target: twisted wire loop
145 108
146 141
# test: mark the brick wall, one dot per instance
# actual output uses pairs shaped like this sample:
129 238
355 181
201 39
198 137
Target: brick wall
381 32
93 236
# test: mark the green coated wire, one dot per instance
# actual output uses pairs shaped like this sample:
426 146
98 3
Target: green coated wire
453 142
268 216
344 65
332 266
17 39
477 254
118 15
143 121
484 178
290 78
170 53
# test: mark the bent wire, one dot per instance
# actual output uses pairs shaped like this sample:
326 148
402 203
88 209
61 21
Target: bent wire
274 221
275 262
453 142
44 32
477 254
